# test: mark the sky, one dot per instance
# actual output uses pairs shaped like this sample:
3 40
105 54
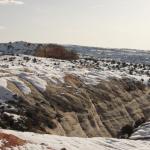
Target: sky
103 23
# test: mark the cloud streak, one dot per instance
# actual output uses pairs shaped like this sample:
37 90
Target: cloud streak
15 2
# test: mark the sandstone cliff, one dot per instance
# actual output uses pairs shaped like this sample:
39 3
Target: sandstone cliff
70 104
75 109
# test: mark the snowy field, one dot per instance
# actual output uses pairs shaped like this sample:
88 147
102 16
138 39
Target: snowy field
39 71
53 142
124 55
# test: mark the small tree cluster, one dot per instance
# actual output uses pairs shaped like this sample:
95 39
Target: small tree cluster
56 51
127 130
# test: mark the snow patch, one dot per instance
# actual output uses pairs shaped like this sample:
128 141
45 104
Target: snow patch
5 93
20 84
142 132
39 83
73 143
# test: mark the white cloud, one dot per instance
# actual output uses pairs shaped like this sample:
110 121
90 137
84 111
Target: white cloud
16 2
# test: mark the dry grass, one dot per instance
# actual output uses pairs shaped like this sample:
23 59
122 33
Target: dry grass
10 141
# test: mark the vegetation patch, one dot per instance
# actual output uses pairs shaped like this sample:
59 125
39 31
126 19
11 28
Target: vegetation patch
55 51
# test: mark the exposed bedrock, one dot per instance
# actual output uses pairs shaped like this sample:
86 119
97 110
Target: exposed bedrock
76 109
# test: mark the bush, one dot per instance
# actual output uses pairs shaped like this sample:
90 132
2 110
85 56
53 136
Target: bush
55 51
125 131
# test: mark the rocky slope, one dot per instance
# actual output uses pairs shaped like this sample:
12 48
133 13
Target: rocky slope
83 98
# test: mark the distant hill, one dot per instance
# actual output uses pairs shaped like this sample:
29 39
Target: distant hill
125 55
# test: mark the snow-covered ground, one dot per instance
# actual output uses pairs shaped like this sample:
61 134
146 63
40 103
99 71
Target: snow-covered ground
54 142
124 55
39 71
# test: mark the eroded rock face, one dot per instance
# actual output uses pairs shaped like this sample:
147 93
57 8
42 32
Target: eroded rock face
73 108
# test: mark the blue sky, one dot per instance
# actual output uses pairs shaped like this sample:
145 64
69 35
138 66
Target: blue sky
105 23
